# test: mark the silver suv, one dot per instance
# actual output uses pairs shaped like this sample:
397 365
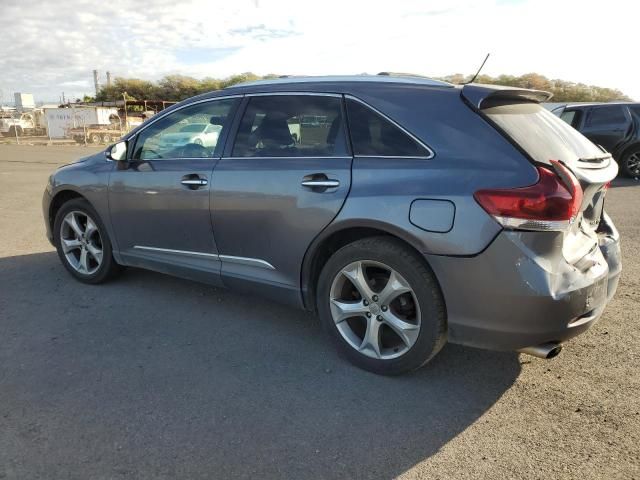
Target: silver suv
406 212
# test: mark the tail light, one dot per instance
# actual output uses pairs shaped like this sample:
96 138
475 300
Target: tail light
551 204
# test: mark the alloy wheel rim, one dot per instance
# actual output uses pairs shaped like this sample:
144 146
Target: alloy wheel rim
375 309
633 164
81 242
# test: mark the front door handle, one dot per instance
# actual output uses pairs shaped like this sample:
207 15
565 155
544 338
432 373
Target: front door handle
193 181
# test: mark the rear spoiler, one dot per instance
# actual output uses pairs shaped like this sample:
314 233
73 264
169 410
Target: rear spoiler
481 96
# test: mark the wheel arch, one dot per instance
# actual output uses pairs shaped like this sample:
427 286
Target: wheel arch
627 148
59 199
337 236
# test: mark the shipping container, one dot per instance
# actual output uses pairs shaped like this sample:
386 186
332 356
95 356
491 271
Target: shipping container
60 120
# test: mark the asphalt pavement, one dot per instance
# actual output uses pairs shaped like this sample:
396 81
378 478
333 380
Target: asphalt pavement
152 377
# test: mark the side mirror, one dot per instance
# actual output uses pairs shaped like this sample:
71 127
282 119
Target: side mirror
118 152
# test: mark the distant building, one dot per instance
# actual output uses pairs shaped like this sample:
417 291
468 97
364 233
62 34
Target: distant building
24 101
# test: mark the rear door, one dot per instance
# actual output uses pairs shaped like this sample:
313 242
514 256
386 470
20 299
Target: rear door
283 178
607 125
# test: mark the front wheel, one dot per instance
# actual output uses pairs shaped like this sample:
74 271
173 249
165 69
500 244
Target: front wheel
82 243
382 306
630 164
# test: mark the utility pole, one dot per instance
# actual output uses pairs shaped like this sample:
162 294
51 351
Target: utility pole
95 81
126 119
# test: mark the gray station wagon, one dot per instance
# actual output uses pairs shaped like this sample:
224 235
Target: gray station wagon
406 212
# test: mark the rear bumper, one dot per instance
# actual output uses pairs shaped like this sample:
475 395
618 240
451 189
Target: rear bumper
520 291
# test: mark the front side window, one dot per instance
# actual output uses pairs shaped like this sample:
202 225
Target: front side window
191 132
291 126
604 116
374 135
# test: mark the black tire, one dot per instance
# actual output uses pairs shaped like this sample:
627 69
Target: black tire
94 138
15 131
108 268
393 253
630 163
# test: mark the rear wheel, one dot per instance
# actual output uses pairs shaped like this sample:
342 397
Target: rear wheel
83 244
94 138
382 306
630 164
106 138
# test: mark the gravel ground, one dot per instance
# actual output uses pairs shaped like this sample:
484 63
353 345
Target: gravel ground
155 377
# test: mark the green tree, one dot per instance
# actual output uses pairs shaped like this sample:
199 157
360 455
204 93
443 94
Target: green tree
179 87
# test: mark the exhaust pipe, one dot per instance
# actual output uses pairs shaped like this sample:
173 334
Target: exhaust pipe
544 350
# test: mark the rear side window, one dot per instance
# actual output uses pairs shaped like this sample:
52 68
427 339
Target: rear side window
604 116
541 134
291 126
372 135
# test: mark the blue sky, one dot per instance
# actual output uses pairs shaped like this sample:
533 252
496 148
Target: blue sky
55 49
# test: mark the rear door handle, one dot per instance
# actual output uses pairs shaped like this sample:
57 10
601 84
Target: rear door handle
319 181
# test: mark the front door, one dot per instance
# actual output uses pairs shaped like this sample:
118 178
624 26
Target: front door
283 179
159 199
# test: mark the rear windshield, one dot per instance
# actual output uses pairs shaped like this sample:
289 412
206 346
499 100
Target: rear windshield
542 134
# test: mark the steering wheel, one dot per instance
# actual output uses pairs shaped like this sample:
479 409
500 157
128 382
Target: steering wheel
147 151
194 150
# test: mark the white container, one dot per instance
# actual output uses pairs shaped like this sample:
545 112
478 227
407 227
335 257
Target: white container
59 120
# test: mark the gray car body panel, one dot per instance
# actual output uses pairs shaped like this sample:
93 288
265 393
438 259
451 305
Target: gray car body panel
502 289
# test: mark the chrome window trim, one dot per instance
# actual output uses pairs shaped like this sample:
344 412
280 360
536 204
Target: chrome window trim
408 133
341 157
252 262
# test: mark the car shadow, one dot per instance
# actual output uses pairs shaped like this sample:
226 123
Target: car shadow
621 182
158 377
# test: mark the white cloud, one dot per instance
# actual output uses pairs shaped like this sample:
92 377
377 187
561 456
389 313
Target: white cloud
55 49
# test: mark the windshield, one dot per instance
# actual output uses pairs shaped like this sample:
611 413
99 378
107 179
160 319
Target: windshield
542 134
194 127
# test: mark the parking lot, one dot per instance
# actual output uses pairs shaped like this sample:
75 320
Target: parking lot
154 377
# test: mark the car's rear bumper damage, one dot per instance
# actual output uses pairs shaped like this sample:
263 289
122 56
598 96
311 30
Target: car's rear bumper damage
521 292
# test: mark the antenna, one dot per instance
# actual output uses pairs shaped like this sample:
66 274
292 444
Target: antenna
478 72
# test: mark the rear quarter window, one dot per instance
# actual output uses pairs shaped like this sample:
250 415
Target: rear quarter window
372 135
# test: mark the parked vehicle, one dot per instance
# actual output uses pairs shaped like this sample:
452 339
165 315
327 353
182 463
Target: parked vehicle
202 134
614 126
95 133
415 213
23 123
